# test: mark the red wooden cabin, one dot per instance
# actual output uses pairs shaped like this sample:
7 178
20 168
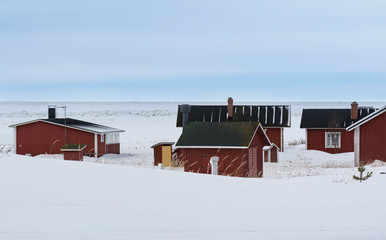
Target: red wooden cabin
273 118
239 146
370 137
47 136
326 128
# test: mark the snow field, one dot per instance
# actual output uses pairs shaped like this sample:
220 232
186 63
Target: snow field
47 199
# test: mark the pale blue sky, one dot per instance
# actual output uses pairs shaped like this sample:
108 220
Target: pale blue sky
193 50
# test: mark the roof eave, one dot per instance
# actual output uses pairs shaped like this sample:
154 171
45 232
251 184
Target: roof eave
58 124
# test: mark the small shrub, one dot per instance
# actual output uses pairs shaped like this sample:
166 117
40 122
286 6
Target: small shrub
361 169
295 142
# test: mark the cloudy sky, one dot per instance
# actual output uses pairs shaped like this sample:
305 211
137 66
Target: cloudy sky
193 50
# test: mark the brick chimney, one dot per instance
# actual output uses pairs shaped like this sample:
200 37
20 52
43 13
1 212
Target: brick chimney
230 108
354 110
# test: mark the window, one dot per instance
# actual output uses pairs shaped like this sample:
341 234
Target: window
102 137
112 138
333 139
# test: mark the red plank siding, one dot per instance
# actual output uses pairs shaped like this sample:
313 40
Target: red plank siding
40 138
157 155
274 154
275 135
113 148
232 162
316 140
373 140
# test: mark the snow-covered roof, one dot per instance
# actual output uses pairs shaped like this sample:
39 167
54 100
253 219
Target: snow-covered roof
367 118
76 124
266 148
162 144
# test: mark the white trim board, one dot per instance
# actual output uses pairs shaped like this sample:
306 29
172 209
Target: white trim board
14 141
357 146
96 145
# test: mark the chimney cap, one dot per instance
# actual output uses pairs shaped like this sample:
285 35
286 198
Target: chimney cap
185 108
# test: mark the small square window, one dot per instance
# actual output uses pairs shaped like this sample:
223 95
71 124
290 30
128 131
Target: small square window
333 139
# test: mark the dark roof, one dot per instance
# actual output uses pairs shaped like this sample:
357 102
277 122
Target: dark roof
77 124
332 118
367 118
225 134
268 116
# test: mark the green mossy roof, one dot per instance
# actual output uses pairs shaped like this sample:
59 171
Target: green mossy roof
226 134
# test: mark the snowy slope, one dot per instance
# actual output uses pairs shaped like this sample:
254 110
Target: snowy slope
55 199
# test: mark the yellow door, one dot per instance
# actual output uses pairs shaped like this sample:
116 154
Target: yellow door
166 156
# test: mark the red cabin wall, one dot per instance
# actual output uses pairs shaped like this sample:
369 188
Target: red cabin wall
232 162
104 148
44 138
373 140
157 155
101 146
275 135
113 148
274 154
316 140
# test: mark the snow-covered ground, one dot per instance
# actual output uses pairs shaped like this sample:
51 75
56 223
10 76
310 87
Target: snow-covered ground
53 199
307 195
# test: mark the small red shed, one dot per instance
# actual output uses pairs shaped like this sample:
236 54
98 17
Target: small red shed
271 153
47 136
163 153
370 137
326 128
239 146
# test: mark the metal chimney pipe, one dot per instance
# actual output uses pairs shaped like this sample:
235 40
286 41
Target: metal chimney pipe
230 108
185 109
354 111
51 111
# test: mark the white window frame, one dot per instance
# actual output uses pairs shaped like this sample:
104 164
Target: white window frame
328 143
102 137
